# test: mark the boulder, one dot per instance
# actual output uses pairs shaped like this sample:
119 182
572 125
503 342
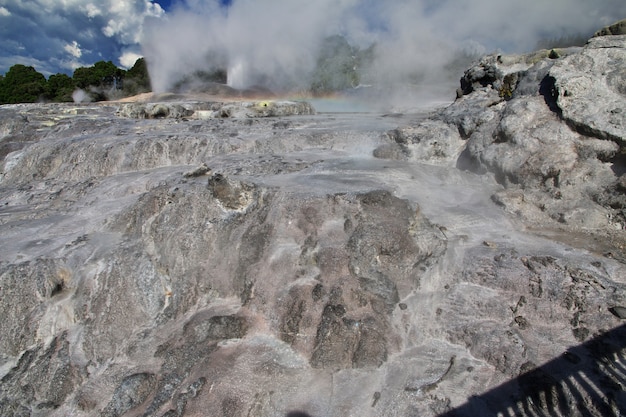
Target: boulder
430 141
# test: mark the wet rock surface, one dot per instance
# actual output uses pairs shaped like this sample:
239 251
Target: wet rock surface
466 263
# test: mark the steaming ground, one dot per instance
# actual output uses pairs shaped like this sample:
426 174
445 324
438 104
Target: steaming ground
258 266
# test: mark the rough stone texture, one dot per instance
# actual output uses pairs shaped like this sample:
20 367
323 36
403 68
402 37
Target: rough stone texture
591 88
551 129
431 140
130 393
214 110
468 263
617 28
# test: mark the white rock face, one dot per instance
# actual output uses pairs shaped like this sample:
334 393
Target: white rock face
159 261
591 88
549 125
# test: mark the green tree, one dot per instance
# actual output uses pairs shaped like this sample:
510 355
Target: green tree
83 77
59 88
99 79
102 74
108 73
22 84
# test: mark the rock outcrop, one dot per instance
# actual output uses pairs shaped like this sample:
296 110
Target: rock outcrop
161 260
549 126
214 110
617 28
580 80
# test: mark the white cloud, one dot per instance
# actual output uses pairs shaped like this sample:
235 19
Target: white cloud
128 59
73 49
125 19
4 11
113 27
72 64
92 11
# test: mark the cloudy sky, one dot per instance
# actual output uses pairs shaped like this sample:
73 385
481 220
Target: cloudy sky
61 35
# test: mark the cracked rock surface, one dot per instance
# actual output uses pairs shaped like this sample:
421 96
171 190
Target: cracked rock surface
321 265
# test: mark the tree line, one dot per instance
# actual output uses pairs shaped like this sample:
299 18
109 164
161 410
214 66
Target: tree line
101 81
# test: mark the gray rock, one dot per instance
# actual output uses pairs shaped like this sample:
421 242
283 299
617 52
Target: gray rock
618 311
131 393
198 171
617 28
211 110
430 141
502 73
43 378
391 151
233 195
599 70
536 123
154 110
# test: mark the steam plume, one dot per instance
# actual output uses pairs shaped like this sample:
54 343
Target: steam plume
276 43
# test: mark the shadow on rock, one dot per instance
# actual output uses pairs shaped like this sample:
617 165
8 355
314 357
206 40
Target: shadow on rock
297 414
586 380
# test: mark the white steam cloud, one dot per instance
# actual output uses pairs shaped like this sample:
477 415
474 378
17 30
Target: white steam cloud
276 43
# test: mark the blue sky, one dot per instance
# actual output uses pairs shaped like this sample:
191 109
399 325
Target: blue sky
168 4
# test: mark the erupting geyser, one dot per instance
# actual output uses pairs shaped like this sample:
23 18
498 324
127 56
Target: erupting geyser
236 75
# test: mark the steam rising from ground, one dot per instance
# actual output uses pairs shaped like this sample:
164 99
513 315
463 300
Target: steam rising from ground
80 96
275 43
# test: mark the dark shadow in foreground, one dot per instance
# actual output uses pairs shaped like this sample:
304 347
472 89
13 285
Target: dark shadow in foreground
587 380
297 414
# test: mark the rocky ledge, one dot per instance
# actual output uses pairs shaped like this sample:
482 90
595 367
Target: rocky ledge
550 126
215 110
468 262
